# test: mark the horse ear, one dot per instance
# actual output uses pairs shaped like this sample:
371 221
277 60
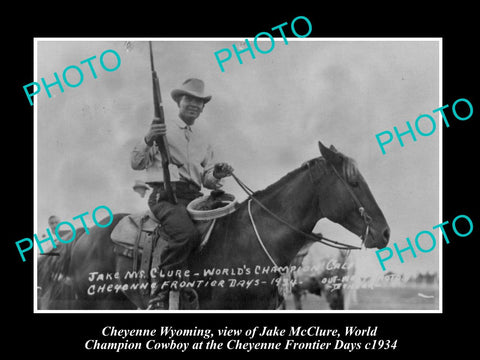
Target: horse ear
330 154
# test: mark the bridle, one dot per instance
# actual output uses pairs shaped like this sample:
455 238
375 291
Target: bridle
367 220
311 236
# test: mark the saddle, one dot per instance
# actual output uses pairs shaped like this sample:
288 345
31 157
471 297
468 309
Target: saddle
135 232
141 237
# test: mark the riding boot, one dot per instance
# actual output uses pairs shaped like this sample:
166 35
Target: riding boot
160 301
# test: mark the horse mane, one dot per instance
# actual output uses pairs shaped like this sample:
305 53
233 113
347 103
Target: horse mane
349 171
279 183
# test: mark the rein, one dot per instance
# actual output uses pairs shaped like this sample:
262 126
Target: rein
315 237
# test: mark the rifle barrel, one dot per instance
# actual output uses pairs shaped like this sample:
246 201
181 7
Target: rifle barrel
161 141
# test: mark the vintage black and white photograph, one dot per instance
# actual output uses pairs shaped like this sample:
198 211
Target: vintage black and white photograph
207 174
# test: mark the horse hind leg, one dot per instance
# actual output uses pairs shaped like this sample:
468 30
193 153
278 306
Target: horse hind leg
92 269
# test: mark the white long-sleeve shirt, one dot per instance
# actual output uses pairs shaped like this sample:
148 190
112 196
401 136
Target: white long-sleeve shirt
192 158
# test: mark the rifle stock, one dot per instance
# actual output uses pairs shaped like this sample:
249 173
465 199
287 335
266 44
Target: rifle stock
161 141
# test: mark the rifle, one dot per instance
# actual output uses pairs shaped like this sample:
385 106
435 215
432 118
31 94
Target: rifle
161 141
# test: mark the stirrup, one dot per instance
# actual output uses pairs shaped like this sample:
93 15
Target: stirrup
159 302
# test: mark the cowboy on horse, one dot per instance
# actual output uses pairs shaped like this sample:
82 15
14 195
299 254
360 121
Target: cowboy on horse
192 167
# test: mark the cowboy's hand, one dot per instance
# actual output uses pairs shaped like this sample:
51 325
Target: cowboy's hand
156 130
222 170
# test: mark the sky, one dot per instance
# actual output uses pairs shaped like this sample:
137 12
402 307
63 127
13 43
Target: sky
265 119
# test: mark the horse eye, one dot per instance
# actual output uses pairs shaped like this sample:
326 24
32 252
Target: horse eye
354 183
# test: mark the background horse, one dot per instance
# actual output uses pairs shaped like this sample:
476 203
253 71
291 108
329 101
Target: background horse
329 186
326 280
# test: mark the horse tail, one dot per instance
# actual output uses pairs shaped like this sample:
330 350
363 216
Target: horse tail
55 290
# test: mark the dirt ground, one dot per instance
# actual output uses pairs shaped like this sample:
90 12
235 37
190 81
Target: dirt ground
410 297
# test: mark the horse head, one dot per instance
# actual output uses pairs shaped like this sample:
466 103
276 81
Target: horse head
348 200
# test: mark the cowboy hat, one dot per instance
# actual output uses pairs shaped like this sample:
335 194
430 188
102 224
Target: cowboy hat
140 184
192 87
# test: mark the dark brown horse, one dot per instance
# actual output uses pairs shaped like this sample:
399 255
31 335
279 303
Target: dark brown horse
54 287
232 271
